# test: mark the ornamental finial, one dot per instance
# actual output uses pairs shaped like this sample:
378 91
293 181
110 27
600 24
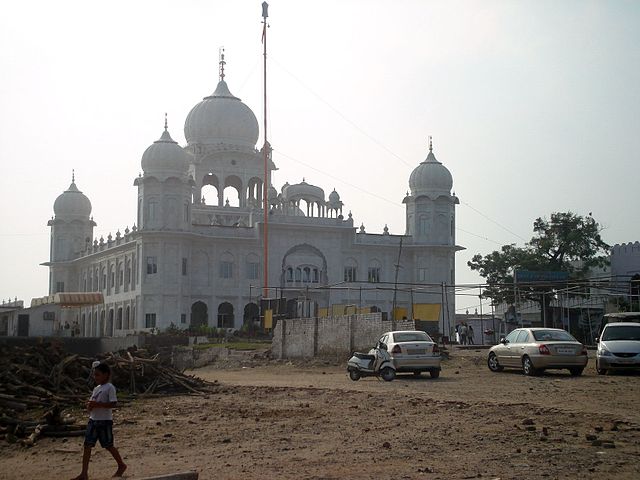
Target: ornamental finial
221 62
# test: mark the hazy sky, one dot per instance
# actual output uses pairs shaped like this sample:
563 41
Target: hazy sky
534 106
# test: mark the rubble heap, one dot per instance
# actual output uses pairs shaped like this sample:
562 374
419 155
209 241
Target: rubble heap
38 382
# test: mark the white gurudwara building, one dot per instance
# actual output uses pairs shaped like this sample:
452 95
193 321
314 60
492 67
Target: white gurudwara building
192 258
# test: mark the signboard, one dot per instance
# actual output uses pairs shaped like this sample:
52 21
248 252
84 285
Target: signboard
527 276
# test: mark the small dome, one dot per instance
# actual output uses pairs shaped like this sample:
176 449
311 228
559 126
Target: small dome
165 157
72 203
272 193
221 118
304 191
430 177
334 197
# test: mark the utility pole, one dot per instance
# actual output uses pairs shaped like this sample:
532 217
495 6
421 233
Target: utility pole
265 152
481 317
395 287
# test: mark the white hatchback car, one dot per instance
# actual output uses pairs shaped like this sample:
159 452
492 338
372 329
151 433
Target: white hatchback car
413 351
618 347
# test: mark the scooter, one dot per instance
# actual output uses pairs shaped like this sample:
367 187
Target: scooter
377 363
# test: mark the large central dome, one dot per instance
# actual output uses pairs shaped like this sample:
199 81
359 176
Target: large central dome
221 119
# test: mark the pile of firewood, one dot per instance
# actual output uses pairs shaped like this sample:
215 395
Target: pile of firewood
38 382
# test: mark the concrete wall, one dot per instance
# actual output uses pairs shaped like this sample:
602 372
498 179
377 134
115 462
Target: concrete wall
333 337
80 345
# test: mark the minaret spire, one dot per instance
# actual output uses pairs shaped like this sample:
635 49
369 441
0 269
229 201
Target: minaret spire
166 124
430 143
221 62
73 175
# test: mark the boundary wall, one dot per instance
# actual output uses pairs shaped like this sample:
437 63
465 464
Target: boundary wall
331 337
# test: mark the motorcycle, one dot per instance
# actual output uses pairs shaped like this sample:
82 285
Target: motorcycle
376 363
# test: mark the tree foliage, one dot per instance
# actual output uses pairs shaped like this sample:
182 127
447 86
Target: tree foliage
564 243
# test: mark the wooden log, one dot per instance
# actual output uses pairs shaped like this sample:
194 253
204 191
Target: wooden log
73 433
17 406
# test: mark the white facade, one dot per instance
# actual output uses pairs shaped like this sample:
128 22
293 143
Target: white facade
195 258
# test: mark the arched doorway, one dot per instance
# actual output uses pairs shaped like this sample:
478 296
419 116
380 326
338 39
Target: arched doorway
292 308
225 315
119 319
109 331
251 315
101 331
199 315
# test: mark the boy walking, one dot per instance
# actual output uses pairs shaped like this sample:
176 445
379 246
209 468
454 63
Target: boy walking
100 426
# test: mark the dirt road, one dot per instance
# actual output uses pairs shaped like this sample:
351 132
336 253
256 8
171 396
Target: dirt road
288 421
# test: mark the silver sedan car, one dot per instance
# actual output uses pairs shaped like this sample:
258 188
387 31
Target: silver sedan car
413 351
536 349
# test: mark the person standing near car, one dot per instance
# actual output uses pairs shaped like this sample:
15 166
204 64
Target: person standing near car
463 334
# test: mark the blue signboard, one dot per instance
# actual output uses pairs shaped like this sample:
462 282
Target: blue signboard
526 276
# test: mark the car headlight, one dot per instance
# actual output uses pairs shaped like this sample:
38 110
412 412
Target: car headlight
604 352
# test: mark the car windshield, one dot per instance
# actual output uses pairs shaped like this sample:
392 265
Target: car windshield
552 335
627 332
411 337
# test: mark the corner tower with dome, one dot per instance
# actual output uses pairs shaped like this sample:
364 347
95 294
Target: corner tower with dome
193 255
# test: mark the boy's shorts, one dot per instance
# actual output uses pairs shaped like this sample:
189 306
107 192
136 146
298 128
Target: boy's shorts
99 430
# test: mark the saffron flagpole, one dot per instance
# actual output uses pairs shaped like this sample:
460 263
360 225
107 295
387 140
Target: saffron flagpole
265 152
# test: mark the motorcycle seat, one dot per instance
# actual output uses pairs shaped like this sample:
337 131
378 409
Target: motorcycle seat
364 356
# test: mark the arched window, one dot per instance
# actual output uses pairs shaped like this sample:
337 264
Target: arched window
119 319
253 267
316 276
374 272
210 190
231 192
298 274
127 318
351 270
289 275
422 225
152 210
104 278
226 265
306 275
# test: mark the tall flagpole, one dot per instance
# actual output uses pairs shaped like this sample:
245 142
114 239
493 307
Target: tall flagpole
265 151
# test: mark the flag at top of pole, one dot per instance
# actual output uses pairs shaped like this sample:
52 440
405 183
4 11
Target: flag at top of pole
265 15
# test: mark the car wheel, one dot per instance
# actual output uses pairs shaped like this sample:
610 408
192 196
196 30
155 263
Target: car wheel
388 374
417 374
354 375
434 373
528 368
493 364
601 371
576 371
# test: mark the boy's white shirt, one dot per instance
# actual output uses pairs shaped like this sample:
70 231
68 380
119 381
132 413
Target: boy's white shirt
104 394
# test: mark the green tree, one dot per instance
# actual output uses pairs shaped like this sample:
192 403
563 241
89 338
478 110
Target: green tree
564 243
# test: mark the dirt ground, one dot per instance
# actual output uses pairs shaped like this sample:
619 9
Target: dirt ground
311 422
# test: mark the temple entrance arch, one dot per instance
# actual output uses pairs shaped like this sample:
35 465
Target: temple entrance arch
199 314
251 315
225 315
